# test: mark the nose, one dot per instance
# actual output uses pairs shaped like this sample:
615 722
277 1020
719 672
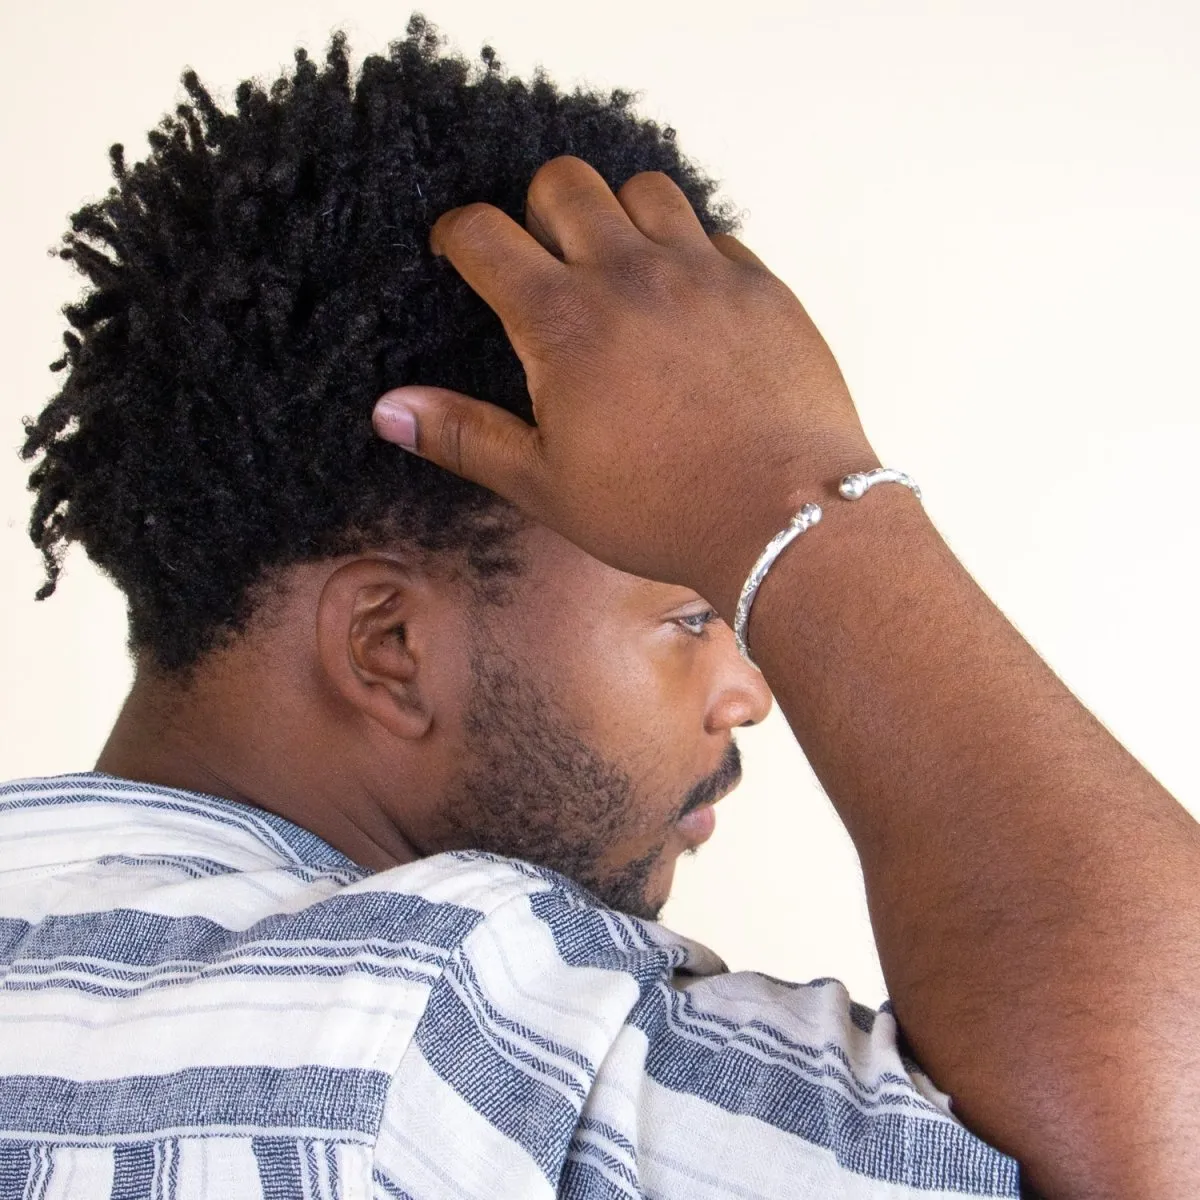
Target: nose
740 695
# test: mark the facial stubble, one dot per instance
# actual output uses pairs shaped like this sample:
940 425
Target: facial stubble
533 789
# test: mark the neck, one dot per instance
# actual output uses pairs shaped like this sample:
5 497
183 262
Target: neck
208 735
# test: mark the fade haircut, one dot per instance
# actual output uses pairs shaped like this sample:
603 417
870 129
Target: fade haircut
254 285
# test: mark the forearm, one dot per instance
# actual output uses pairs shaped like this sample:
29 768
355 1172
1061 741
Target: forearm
1033 890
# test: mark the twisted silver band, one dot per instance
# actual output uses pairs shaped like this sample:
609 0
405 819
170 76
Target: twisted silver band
852 487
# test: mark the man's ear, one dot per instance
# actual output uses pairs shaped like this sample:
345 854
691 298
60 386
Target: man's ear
366 646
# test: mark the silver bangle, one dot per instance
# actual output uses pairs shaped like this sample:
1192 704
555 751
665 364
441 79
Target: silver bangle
852 487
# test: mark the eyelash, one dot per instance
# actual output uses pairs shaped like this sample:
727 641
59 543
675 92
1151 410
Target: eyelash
705 618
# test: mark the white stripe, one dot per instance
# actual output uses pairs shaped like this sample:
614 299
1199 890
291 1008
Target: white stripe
182 804
304 1151
81 1172
432 1143
215 1169
299 1022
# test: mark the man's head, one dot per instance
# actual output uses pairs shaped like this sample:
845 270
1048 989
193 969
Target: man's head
326 608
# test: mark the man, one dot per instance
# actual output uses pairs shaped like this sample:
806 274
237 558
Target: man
360 898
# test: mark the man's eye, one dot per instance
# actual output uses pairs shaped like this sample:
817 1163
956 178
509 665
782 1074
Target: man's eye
695 623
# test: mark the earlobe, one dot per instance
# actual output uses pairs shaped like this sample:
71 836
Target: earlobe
367 652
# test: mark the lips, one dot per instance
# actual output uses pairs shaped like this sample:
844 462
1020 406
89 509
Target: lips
697 827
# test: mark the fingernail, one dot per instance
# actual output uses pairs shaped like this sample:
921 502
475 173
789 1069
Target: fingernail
396 422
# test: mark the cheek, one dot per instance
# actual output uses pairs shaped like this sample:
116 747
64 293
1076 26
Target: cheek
635 691
634 696
657 718
602 676
651 733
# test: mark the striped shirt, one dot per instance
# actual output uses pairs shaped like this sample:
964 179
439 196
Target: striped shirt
200 999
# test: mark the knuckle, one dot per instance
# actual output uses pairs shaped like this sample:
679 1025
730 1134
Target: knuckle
474 220
563 184
530 486
452 440
522 467
646 185
548 180
563 169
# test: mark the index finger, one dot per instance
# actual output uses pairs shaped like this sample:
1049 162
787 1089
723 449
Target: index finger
500 260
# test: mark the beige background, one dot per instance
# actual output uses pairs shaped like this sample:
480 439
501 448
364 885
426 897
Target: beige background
992 212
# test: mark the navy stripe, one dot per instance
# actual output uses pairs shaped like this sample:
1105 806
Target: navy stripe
195 866
584 1181
591 1125
321 1099
42 1173
331 1165
133 1171
537 1117
278 1161
862 1016
131 937
16 1165
170 1174
609 1147
264 957
584 938
812 1061
198 867
590 942
465 974
919 1152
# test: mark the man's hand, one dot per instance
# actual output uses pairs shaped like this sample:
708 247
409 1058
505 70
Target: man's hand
637 331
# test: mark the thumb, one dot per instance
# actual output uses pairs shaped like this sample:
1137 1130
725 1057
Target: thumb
476 440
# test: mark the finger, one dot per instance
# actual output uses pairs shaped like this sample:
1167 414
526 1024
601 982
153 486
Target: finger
732 248
572 211
479 441
498 258
660 210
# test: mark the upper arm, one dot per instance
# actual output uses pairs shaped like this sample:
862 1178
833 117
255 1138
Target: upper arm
741 1085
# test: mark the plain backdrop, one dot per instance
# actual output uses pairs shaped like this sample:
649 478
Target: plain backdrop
991 211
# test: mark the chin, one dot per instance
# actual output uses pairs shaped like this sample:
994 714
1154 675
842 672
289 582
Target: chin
658 889
640 888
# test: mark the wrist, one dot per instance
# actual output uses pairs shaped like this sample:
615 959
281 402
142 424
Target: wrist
767 512
858 547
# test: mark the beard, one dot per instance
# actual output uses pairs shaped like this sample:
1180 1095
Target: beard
533 789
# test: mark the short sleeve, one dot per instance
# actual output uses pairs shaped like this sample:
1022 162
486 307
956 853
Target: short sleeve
737 1084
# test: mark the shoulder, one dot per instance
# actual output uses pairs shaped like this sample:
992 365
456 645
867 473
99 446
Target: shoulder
581 1047
741 1077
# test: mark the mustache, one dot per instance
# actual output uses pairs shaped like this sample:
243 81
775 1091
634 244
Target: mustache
726 776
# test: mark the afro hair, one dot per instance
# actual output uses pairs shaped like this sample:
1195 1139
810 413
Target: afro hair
254 285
